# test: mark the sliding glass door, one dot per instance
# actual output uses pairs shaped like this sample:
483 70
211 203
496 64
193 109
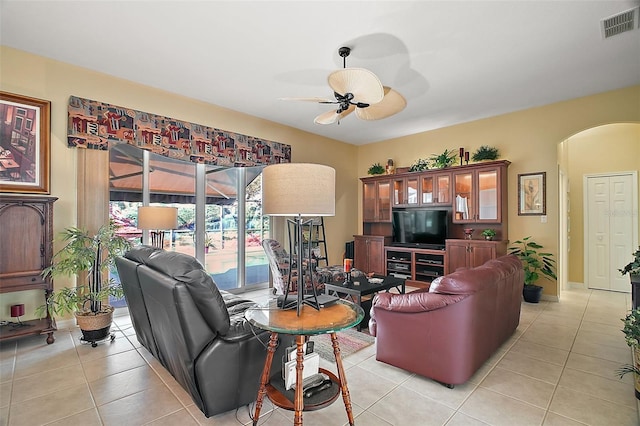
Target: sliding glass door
210 200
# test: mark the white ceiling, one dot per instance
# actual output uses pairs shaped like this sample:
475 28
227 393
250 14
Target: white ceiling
454 61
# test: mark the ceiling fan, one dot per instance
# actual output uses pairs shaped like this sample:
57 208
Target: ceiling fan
359 90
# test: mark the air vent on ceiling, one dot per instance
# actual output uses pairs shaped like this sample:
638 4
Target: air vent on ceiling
620 23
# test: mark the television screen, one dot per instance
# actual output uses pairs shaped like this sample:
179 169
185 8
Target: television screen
419 227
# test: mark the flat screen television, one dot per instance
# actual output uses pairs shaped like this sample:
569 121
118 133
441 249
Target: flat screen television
420 227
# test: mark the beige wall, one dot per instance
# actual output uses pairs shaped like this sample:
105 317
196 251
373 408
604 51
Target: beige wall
529 139
604 149
39 77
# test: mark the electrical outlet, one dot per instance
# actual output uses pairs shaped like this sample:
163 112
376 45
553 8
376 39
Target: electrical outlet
543 219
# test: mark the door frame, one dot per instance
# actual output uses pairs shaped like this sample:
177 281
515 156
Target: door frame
585 210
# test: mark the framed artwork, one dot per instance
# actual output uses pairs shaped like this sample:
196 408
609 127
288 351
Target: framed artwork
532 194
25 146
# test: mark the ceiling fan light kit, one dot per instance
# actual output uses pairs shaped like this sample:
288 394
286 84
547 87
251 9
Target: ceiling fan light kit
359 90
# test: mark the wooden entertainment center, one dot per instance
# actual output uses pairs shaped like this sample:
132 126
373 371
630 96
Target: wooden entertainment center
475 196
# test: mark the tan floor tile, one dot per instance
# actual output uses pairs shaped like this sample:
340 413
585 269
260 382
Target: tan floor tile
615 340
112 364
370 387
596 327
531 367
182 418
389 372
4 416
591 410
406 407
139 408
611 390
523 388
369 419
5 394
608 353
460 419
334 414
120 344
553 419
540 352
49 408
85 418
46 383
452 398
598 366
499 410
123 384
46 360
555 336
7 366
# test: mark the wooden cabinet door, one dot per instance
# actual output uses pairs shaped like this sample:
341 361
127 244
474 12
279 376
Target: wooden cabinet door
487 197
369 198
464 201
376 256
457 255
406 191
360 253
435 189
383 201
480 253
369 253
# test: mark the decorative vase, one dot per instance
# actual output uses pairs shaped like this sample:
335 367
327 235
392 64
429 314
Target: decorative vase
488 238
532 293
468 233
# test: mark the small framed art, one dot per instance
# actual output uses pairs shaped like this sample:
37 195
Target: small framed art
532 194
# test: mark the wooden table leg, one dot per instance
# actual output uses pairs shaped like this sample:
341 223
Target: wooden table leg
343 379
299 402
264 379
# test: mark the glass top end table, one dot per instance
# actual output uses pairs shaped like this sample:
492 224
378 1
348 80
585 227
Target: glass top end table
327 320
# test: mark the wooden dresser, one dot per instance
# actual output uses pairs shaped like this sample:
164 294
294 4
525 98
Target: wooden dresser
26 248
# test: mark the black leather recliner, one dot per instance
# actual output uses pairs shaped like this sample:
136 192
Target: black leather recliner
197 332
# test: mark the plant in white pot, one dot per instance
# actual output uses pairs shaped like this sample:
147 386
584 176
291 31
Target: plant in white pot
536 264
92 256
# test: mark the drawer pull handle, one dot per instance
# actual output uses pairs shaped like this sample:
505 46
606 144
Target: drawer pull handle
33 279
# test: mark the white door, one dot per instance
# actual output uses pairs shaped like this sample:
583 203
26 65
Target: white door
610 230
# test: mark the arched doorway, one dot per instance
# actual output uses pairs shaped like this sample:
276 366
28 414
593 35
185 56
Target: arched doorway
610 149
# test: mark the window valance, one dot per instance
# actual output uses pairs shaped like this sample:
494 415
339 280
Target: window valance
95 125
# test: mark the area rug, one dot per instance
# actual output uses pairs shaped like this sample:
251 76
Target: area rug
350 340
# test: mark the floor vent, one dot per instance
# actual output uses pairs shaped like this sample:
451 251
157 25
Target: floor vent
620 23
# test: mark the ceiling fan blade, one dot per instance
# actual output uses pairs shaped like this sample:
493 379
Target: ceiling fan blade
392 103
363 84
311 99
331 117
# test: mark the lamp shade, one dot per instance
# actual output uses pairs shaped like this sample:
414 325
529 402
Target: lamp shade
291 189
156 217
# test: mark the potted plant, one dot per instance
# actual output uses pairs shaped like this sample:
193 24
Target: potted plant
633 269
376 169
420 164
485 153
488 234
631 332
536 264
443 160
90 255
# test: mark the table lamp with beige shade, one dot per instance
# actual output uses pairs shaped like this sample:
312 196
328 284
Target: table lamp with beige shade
157 219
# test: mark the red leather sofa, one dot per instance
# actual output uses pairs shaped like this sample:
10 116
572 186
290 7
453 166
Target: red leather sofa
448 331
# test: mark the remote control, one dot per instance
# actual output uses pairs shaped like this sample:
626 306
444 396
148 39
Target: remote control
312 391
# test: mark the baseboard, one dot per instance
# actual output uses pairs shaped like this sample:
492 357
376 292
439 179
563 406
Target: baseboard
549 298
573 284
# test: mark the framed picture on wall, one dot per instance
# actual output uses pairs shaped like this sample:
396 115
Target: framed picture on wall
532 194
24 144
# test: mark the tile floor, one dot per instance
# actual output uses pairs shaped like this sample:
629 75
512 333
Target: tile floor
557 369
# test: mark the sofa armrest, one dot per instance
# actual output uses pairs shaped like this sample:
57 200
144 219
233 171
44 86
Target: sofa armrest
414 302
418 301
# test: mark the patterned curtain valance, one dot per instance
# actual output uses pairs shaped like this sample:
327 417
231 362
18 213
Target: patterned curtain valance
95 125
